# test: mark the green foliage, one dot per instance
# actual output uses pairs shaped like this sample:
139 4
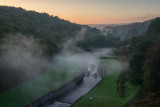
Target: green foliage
99 41
35 88
50 30
154 29
135 74
151 100
123 51
150 82
138 48
105 93
152 69
121 83
142 47
124 88
145 64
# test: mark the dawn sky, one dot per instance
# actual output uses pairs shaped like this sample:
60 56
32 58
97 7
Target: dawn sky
93 11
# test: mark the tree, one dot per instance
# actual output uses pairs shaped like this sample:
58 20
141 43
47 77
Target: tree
151 77
135 74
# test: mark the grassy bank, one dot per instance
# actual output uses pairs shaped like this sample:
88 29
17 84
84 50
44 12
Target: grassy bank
105 93
25 93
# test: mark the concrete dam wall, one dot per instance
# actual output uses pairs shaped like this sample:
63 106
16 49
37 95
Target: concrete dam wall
56 93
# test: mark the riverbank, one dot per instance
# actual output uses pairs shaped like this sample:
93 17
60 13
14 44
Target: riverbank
105 93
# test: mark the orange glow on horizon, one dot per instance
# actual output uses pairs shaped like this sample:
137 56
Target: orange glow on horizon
92 11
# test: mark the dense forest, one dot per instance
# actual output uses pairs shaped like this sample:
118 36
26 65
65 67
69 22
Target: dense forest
51 31
143 52
100 41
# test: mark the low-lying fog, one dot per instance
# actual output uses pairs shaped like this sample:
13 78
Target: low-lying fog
103 52
23 54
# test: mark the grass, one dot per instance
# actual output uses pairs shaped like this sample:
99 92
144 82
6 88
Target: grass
33 89
105 93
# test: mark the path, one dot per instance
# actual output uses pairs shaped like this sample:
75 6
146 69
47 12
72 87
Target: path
82 89
72 96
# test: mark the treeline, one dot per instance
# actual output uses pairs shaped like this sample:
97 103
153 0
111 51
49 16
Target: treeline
144 54
49 31
99 41
125 32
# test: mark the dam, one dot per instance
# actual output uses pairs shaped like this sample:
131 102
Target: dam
69 93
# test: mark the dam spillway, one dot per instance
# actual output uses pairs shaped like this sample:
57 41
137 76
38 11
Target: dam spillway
69 93
72 96
92 76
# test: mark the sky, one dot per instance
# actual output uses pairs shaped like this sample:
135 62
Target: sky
93 11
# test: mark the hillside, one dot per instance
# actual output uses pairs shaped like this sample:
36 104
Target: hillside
137 86
124 31
50 30
143 53
28 41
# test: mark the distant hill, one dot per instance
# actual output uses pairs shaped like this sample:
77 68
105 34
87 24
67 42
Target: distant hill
124 31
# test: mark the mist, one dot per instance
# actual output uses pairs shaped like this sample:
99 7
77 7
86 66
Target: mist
75 59
24 55
69 44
